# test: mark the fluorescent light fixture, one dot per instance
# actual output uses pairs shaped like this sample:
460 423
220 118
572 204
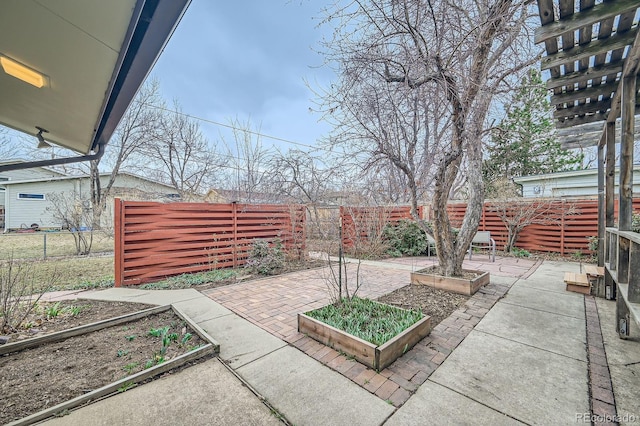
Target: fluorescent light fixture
22 72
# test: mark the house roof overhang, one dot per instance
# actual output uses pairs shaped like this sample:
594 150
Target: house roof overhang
94 55
589 48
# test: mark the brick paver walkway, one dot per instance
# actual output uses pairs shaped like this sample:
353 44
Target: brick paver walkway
273 304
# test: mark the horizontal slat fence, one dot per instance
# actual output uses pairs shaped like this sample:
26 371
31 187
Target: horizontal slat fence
361 224
569 234
577 219
157 240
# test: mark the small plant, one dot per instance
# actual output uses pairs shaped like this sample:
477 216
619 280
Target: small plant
53 311
20 293
73 310
592 243
148 364
186 338
159 332
130 338
266 258
126 386
129 368
518 252
577 254
121 353
635 222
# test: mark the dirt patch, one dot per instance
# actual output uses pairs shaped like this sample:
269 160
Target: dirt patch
437 270
38 378
438 304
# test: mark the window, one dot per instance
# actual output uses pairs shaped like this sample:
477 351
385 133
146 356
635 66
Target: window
23 196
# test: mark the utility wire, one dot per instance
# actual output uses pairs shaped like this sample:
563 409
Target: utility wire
229 126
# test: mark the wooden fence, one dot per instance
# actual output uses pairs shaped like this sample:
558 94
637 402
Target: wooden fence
364 224
577 219
156 240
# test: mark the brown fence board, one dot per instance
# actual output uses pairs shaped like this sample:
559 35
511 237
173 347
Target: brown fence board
155 240
569 235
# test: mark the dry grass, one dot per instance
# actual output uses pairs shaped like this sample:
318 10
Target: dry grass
31 246
75 272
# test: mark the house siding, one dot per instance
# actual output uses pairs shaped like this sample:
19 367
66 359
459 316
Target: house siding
21 213
569 185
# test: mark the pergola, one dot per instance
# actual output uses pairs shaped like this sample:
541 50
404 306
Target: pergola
593 56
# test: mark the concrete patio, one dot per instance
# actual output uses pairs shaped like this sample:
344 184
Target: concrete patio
522 350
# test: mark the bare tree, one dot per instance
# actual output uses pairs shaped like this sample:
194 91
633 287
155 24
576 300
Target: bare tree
135 132
517 213
395 59
180 155
302 178
250 162
73 212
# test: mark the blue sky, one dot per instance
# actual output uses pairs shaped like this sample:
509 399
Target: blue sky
248 60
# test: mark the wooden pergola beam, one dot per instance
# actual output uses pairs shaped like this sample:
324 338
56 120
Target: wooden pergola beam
584 76
589 17
596 47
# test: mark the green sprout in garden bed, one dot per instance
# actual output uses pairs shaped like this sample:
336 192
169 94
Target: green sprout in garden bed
374 322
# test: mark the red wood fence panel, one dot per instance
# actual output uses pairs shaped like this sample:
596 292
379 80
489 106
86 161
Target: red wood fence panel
361 224
577 219
156 240
568 235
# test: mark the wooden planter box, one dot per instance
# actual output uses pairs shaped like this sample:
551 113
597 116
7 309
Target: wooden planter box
453 284
376 357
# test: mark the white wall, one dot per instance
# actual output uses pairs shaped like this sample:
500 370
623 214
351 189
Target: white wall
567 184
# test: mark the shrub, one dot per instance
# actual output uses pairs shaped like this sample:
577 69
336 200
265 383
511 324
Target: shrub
518 252
635 222
266 258
405 238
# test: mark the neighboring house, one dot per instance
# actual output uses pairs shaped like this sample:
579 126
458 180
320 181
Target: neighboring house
15 175
569 184
29 201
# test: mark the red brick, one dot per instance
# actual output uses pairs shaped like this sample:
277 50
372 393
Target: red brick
375 382
404 383
355 370
399 397
364 376
602 409
602 394
387 389
329 356
421 377
336 362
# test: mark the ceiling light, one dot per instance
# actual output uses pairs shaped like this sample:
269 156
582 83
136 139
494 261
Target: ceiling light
41 142
22 72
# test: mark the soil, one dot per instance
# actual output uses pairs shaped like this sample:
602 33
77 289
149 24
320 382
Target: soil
436 270
438 304
34 379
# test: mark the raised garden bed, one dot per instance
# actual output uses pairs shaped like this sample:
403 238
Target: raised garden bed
69 361
378 354
467 284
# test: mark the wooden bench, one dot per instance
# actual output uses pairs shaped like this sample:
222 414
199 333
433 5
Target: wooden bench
578 283
483 240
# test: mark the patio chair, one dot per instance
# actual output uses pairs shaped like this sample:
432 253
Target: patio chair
483 240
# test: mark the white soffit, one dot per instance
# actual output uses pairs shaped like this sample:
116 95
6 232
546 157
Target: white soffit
75 44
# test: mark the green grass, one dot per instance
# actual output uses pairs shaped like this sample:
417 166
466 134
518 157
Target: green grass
371 321
189 280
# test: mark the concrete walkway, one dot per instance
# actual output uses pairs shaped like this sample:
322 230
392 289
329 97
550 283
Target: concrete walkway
515 359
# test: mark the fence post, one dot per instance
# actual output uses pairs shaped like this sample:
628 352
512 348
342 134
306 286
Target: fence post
562 228
118 234
44 238
234 221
